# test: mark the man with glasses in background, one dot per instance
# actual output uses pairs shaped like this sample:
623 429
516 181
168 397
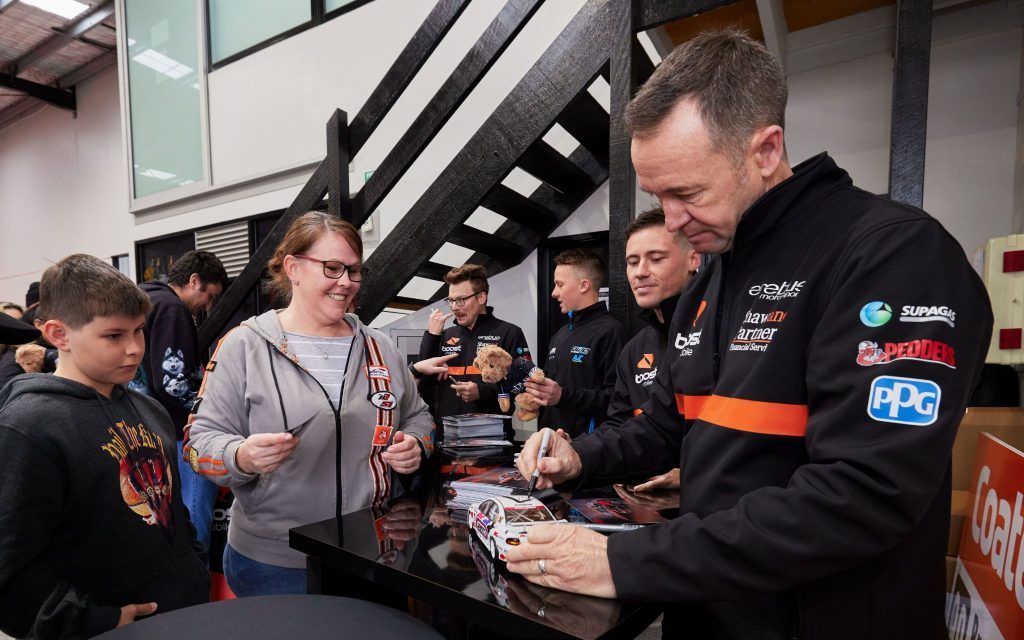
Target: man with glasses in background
475 326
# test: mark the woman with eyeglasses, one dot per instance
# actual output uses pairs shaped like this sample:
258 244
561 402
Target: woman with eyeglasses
306 413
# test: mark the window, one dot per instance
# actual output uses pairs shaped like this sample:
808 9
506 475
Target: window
238 25
163 95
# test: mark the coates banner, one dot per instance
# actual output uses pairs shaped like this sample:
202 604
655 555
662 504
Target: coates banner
987 598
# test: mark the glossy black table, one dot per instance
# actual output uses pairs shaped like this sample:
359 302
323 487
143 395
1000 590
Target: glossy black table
310 617
374 553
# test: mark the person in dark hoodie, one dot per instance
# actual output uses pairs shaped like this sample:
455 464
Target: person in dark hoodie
659 263
173 369
94 530
580 365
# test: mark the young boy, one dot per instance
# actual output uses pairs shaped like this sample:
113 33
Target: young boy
93 532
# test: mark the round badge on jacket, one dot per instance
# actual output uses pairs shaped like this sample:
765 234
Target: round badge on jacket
384 400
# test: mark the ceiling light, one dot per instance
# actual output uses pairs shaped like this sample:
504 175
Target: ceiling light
66 9
162 64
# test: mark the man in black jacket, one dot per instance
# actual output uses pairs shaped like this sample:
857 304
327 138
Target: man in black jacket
659 263
823 362
580 367
172 369
463 391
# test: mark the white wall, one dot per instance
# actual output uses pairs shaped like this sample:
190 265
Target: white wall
62 187
268 113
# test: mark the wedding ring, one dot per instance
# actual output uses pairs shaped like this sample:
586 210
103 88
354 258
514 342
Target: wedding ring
541 565
540 612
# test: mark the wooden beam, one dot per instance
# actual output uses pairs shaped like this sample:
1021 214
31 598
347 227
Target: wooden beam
910 101
310 195
404 69
433 271
652 13
548 199
71 31
488 244
518 208
62 98
626 57
339 204
773 25
587 121
542 161
492 43
567 67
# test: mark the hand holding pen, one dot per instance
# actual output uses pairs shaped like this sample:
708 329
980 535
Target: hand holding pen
558 464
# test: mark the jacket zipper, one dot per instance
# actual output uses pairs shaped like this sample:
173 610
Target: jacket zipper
337 419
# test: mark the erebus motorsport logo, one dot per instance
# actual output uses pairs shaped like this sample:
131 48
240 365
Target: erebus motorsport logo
928 314
685 343
774 291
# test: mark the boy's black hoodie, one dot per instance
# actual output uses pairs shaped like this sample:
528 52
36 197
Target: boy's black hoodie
90 513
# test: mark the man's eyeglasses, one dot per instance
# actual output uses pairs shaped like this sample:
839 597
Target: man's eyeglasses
334 269
458 303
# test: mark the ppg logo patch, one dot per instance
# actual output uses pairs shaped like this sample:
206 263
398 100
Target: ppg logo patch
904 400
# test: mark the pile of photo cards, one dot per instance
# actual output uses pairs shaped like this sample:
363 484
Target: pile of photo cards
500 481
475 435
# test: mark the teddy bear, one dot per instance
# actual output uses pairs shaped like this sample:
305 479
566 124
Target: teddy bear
497 367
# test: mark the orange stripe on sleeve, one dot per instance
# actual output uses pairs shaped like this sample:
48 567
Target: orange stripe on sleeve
771 418
690 406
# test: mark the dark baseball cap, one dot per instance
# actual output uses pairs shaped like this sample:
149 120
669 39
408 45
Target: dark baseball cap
14 331
32 295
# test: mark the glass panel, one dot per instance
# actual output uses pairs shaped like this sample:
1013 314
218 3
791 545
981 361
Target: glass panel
163 94
236 25
331 5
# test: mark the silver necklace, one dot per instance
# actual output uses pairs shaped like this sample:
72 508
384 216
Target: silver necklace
330 347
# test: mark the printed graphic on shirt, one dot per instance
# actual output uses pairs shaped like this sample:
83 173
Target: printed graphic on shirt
646 362
686 342
378 373
777 291
875 314
451 345
140 383
909 401
145 474
175 382
384 400
869 353
911 313
579 353
757 331
700 311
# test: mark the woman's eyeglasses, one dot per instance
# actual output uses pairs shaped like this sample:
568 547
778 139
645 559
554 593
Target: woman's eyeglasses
334 269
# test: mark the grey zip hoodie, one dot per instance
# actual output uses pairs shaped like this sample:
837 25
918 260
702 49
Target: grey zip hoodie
254 384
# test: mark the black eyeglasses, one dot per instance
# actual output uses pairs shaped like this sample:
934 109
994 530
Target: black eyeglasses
460 302
334 269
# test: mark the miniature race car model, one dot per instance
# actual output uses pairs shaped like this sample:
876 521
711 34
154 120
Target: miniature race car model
503 522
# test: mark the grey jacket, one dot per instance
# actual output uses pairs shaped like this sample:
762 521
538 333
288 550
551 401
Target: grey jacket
254 384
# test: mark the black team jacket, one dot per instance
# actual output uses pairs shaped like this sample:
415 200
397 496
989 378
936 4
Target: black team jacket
465 342
581 358
638 364
819 371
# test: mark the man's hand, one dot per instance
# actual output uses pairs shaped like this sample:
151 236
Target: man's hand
657 500
547 393
560 464
434 366
435 323
668 480
264 452
403 455
30 357
131 611
467 391
575 559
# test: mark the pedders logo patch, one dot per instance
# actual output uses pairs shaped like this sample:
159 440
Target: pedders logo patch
870 354
686 343
777 291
